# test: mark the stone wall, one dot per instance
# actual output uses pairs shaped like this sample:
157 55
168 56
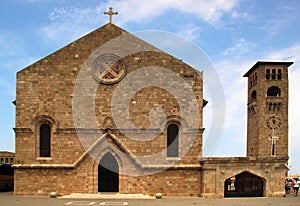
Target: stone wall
264 107
216 170
61 90
65 180
7 157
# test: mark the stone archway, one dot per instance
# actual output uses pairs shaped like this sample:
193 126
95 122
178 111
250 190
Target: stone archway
244 184
108 174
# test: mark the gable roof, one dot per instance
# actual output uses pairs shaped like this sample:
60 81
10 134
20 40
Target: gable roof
98 37
88 43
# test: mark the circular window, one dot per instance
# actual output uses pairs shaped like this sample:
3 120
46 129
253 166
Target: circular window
108 69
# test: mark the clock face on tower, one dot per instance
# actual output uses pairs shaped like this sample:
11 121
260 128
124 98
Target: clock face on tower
274 122
108 69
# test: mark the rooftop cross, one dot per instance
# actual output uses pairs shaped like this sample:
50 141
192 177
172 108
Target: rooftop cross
110 13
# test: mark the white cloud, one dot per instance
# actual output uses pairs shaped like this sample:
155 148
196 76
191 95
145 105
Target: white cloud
232 69
236 14
234 84
294 118
67 23
231 65
9 45
230 72
241 48
12 54
235 89
275 25
190 33
33 1
139 10
288 54
292 54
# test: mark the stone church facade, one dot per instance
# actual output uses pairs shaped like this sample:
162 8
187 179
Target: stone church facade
85 123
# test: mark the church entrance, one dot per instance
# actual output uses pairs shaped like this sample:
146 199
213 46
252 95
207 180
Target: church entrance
244 184
108 174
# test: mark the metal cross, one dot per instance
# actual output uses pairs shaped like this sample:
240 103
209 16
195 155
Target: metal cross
110 13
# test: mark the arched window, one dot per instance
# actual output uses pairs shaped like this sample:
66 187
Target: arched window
45 140
172 140
270 106
273 147
278 106
273 74
279 74
273 92
268 74
253 95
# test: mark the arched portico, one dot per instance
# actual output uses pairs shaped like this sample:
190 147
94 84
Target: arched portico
244 184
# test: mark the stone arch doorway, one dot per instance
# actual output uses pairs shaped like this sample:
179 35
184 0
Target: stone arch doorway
108 174
244 184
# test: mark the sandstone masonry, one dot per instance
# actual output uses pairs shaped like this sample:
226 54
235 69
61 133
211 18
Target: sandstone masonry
73 135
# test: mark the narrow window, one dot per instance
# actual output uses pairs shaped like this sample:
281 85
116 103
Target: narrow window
253 95
278 106
172 140
279 74
273 148
255 78
45 145
274 107
273 74
270 106
268 74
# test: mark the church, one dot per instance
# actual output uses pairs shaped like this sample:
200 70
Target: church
111 113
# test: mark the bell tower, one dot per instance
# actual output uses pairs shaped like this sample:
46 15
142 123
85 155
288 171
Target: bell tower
267 117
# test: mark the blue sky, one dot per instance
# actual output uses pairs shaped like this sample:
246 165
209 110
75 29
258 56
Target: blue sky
234 34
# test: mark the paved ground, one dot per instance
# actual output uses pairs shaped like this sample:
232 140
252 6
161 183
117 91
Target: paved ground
7 199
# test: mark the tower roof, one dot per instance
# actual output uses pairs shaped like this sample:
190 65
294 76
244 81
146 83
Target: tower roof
265 63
